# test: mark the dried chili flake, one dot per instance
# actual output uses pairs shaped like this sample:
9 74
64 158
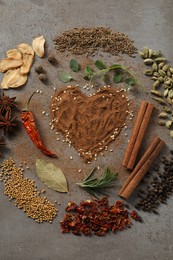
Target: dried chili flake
96 217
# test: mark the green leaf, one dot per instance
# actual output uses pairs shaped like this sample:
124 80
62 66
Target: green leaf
65 77
106 78
117 78
130 81
74 65
88 70
52 176
100 65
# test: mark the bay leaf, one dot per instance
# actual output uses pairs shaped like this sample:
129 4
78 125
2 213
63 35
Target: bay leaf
51 175
65 77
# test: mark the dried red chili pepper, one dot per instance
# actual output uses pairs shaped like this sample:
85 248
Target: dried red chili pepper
31 129
96 217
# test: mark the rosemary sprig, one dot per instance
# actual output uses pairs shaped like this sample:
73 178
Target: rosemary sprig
94 185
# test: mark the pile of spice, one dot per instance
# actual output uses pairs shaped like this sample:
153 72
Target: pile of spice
159 188
24 192
89 123
89 40
96 217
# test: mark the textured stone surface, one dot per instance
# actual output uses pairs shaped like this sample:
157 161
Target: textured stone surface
149 23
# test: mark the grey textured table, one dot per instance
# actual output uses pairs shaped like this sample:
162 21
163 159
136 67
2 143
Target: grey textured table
149 23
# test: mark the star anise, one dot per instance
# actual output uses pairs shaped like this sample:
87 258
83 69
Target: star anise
7 122
6 103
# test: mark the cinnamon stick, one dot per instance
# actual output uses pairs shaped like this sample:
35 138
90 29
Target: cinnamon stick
135 132
140 136
141 168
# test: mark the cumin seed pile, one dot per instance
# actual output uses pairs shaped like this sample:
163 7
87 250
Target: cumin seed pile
89 40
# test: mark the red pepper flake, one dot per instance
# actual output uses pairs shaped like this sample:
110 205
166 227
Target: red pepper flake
96 217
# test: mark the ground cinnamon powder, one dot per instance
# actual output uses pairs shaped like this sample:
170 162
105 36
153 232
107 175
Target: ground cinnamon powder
89 123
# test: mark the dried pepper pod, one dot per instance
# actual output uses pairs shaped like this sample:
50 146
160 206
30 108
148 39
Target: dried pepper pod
30 127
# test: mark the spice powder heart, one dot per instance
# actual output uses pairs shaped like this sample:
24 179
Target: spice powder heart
89 123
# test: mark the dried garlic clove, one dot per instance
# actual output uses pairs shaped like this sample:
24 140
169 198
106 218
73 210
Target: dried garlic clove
9 75
38 46
27 63
14 53
13 79
28 57
25 48
169 124
10 63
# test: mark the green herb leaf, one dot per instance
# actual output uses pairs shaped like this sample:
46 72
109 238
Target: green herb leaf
88 72
100 65
74 65
52 176
106 78
94 185
117 78
65 77
130 81
116 66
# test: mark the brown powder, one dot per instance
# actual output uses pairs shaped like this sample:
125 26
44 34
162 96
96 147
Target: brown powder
89 40
89 123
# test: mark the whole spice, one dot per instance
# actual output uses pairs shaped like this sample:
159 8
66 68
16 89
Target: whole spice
141 168
96 217
24 192
30 126
94 185
137 135
89 40
159 186
7 122
51 175
42 77
7 103
39 69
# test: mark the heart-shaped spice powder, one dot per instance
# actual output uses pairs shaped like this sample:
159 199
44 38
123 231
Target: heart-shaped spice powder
89 123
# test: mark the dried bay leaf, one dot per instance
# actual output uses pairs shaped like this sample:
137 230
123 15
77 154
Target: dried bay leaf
52 176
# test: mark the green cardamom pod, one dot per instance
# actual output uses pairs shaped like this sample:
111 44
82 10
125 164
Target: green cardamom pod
163 115
169 124
167 110
161 79
169 100
156 93
171 133
148 72
148 61
150 53
160 59
171 70
145 52
156 74
157 54
167 82
166 92
165 67
142 55
154 67
154 78
160 100
161 65
160 122
162 73
168 73
156 84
